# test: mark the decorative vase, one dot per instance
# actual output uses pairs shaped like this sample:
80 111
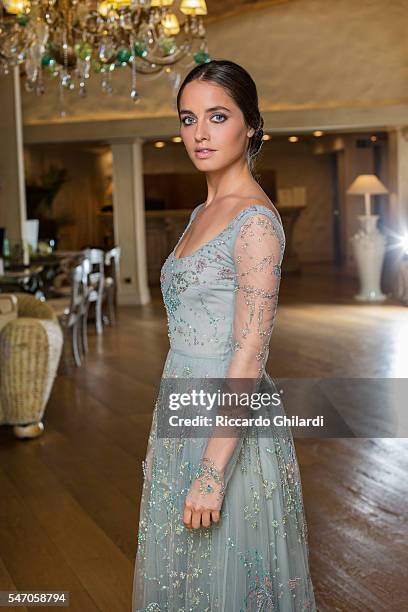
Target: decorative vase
369 248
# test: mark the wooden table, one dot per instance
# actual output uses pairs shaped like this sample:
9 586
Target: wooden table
23 278
37 278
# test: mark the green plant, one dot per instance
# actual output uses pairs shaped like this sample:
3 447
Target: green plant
41 201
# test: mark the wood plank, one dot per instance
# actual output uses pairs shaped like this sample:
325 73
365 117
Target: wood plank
30 553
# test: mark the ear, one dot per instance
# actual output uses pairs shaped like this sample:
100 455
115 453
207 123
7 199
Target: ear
251 132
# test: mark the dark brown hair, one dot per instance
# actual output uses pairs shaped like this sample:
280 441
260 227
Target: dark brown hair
242 89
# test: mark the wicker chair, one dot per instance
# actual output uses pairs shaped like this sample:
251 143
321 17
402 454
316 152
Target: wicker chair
30 350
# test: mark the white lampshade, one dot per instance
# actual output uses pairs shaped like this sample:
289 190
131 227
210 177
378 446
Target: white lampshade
15 7
170 24
160 3
193 7
367 183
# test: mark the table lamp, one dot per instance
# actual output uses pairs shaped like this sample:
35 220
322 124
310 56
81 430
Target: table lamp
368 243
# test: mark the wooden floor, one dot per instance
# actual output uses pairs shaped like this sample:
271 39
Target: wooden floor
70 499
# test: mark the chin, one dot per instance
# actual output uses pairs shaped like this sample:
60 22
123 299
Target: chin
207 164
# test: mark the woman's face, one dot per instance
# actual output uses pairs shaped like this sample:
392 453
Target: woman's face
211 121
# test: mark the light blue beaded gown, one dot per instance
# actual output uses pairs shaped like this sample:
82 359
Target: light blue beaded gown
221 303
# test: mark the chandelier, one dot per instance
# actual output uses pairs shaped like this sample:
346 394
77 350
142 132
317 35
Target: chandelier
74 39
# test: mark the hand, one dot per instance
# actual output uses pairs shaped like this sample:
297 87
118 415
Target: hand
148 465
204 499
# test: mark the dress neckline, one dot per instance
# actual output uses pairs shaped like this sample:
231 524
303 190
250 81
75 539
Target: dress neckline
173 253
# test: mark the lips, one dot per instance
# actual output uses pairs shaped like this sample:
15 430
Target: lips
204 153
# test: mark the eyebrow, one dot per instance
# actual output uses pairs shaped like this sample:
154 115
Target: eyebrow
209 110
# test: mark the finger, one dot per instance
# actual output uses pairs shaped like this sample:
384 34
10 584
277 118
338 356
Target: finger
215 516
187 517
196 520
206 518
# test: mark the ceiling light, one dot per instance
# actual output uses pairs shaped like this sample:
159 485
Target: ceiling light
16 7
193 7
75 39
170 24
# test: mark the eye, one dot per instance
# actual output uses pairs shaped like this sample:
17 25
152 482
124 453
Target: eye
220 115
183 121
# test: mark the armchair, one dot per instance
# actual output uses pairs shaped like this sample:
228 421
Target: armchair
30 350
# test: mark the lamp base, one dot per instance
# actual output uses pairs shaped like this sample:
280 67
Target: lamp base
368 223
370 297
369 248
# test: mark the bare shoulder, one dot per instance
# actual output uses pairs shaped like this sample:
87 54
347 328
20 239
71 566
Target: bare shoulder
247 202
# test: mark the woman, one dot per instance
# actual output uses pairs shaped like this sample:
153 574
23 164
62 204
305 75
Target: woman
222 524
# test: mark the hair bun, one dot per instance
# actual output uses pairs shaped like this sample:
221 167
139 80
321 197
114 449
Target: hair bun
257 139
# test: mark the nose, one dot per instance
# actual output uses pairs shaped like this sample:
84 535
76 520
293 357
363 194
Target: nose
201 131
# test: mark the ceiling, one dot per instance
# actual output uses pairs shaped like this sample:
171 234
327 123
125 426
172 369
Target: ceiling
228 8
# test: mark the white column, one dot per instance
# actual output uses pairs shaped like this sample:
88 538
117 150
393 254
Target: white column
397 201
129 221
398 177
12 183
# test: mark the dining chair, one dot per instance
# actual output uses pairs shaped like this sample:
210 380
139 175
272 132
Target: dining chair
112 260
70 310
86 270
96 283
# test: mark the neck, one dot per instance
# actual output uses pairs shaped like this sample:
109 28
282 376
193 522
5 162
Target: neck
228 180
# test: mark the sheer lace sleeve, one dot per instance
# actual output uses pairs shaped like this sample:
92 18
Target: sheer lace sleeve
257 253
